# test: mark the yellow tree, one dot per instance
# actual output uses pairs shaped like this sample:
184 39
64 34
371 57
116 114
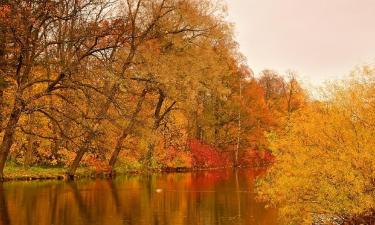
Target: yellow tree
325 169
64 35
192 58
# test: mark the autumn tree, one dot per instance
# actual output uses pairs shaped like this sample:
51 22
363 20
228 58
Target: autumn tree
64 34
83 80
324 160
176 67
282 93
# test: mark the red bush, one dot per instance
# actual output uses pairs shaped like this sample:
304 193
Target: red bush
207 156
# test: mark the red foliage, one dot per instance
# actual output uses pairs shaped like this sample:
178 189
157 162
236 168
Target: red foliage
4 11
207 156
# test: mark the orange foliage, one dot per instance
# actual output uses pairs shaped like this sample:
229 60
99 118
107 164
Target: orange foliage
256 157
257 117
100 166
173 157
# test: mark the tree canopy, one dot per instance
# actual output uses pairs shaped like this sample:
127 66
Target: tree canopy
324 168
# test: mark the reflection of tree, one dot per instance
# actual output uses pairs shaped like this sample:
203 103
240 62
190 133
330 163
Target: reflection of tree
4 216
191 198
149 186
54 203
83 211
114 194
238 194
29 199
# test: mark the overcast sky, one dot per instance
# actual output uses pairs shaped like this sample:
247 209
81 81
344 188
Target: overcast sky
320 39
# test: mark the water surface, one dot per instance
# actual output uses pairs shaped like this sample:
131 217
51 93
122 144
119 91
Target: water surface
199 198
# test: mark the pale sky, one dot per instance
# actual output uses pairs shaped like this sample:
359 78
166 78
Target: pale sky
320 39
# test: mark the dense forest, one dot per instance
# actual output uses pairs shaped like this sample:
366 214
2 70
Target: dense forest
160 84
142 83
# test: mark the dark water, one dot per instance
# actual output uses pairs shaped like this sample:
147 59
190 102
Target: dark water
204 198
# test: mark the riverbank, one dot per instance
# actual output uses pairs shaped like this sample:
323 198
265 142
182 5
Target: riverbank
12 173
23 173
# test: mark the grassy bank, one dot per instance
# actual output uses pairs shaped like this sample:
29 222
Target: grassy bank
18 172
15 172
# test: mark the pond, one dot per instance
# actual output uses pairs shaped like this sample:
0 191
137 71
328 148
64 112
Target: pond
199 198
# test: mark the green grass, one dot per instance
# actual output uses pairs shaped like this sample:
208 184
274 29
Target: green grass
19 172
14 171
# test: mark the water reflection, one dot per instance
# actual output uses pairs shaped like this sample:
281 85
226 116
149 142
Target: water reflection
204 198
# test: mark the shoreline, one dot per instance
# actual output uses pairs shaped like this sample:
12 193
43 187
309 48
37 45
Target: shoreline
58 173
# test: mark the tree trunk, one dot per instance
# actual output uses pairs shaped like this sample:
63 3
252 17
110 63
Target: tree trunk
1 110
2 65
55 150
88 140
127 130
30 144
55 145
158 118
151 146
8 136
235 163
117 150
81 152
29 151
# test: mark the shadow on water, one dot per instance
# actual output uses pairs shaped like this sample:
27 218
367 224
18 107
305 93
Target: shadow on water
4 215
200 198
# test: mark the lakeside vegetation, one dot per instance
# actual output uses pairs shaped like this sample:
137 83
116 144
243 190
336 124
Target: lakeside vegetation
153 84
324 167
94 87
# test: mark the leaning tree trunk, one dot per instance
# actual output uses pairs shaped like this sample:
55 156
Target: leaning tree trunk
81 152
90 137
117 150
8 136
158 117
127 130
